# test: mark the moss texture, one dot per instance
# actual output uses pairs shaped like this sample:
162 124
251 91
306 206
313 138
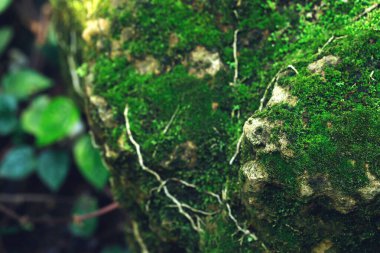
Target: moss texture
143 57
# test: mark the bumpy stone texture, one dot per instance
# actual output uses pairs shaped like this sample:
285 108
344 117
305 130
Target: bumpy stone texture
306 178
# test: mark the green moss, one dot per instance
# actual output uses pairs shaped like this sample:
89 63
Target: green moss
335 122
155 21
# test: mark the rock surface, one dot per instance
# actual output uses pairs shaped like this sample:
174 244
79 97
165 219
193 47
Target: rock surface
306 177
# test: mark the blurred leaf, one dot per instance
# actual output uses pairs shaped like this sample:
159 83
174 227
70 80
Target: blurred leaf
52 168
6 34
50 121
8 114
18 163
31 117
90 163
25 83
4 4
114 249
58 120
84 204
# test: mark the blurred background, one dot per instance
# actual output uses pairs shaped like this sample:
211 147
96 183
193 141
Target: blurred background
49 168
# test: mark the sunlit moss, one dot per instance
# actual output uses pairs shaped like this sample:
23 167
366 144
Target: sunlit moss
333 129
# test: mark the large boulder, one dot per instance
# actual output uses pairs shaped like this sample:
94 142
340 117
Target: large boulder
170 85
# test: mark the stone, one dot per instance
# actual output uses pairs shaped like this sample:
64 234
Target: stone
149 65
281 95
258 132
319 65
203 62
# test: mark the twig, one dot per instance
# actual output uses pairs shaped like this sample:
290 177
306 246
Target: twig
138 149
187 184
366 11
24 220
171 121
37 198
12 214
195 210
244 231
196 225
293 68
326 44
181 210
236 60
140 241
157 176
111 207
237 149
269 86
371 75
330 40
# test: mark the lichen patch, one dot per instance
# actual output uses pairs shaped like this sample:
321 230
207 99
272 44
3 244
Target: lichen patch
281 95
100 26
149 65
319 65
204 62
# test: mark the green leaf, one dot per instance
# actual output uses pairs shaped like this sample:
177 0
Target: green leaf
18 163
25 83
83 205
90 163
52 168
50 120
31 117
6 34
4 4
58 120
8 114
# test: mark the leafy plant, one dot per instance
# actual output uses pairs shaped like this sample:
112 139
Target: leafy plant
25 83
52 168
50 120
90 163
6 34
18 163
4 4
8 114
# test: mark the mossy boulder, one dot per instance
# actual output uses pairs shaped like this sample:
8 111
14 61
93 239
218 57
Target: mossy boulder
289 89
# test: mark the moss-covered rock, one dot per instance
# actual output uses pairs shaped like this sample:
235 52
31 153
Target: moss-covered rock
306 174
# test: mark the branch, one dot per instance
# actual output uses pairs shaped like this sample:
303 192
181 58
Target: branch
102 211
34 198
237 149
236 61
366 11
170 121
23 220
